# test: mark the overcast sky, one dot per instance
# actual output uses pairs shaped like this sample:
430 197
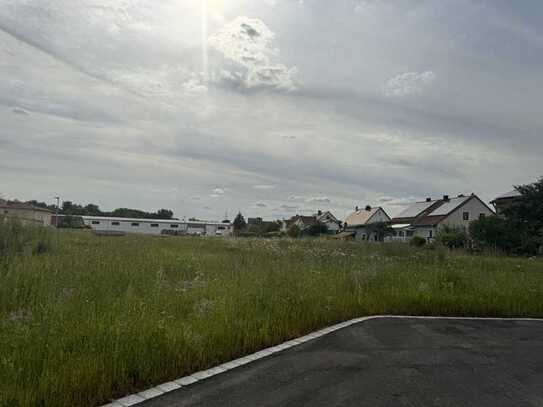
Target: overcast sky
271 107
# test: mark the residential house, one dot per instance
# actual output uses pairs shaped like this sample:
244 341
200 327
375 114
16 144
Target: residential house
363 223
25 213
303 222
426 218
329 220
505 201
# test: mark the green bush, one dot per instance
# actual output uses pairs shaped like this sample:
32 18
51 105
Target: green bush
417 241
316 229
452 237
294 231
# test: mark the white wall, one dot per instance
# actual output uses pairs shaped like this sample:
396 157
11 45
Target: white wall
379 216
474 207
145 226
28 216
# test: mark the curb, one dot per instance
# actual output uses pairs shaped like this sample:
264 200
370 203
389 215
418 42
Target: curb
164 388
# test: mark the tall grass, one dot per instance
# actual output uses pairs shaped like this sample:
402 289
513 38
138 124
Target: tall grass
98 318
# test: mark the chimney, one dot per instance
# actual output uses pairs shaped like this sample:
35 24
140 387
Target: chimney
428 199
446 198
368 208
356 209
319 212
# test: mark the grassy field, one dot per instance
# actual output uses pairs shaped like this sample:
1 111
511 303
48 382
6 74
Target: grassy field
91 319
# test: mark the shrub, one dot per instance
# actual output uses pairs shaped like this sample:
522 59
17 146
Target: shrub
452 237
316 229
494 233
294 231
417 241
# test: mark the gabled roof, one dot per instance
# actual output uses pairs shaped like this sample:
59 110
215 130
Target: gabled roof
415 209
436 211
326 215
305 220
362 216
509 195
21 205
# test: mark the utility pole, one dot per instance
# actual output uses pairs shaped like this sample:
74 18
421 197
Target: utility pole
57 212
56 219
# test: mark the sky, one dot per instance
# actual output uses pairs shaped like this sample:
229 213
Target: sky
268 107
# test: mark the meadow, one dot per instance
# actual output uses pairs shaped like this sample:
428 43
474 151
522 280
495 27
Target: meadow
86 319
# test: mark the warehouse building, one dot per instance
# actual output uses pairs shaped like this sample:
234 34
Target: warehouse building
108 225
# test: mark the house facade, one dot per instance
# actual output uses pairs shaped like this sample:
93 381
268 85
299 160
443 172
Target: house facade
329 220
505 201
425 219
363 223
25 213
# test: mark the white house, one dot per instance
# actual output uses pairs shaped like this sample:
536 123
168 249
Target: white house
25 213
109 225
327 218
426 218
363 222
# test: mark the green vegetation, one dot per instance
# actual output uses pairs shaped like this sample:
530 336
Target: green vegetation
521 229
95 318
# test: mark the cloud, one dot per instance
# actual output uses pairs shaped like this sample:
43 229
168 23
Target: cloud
364 7
219 191
408 83
248 43
289 208
20 111
214 196
261 205
264 187
196 198
295 198
319 199
391 201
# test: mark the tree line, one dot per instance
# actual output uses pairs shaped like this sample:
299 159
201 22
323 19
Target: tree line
70 208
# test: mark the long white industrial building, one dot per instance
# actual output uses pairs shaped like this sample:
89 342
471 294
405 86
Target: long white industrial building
156 226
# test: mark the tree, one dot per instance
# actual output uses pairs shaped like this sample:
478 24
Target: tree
164 214
494 233
316 229
525 217
239 223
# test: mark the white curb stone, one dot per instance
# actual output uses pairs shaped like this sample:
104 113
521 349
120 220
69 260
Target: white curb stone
151 393
130 400
168 387
186 381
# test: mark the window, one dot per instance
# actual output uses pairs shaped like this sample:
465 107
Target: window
431 234
409 233
115 224
222 228
135 224
466 215
95 222
174 226
482 216
401 233
154 225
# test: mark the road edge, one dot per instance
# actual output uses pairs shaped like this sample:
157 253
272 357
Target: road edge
157 391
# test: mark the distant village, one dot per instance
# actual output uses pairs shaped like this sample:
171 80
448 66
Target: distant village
421 219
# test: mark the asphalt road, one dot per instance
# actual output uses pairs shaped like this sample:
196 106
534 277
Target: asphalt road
388 362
